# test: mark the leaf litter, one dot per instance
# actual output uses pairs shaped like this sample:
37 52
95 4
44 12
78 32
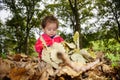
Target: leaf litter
61 61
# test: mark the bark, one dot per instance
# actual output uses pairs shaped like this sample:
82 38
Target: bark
77 26
30 10
115 15
118 24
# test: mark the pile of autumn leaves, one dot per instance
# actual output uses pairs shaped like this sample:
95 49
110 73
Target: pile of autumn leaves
23 67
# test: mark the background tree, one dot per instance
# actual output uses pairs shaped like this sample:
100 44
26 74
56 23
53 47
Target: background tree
109 18
21 23
74 13
1 43
27 15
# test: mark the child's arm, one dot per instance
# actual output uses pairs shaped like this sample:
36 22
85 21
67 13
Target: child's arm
39 47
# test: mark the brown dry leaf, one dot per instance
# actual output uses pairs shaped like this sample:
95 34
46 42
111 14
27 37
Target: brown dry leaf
22 64
17 57
30 68
23 55
50 71
53 56
107 69
61 78
79 66
69 71
47 58
95 76
41 66
44 67
70 45
30 65
67 49
59 47
50 55
4 68
46 55
44 76
18 74
88 56
10 57
78 58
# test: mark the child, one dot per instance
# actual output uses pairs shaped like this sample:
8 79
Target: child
50 26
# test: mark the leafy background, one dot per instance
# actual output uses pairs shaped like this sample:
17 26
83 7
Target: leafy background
97 21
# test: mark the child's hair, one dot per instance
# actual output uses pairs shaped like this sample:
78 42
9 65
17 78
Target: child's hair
49 19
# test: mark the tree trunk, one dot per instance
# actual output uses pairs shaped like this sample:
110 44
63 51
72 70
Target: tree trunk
77 26
116 18
118 24
28 27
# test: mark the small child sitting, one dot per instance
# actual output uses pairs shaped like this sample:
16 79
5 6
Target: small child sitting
50 26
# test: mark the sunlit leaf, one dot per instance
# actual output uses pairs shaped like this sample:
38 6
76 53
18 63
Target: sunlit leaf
76 39
71 45
78 58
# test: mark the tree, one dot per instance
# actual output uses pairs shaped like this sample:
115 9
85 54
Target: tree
109 11
1 37
74 13
116 15
24 19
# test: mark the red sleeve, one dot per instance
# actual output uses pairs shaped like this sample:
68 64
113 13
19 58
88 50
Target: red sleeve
61 39
39 47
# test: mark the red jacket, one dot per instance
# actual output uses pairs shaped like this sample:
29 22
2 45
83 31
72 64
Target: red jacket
49 41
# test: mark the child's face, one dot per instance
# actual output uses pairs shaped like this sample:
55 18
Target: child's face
50 29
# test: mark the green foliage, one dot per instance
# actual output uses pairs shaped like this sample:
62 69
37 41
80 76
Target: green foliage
106 8
35 54
3 55
110 47
115 59
26 15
